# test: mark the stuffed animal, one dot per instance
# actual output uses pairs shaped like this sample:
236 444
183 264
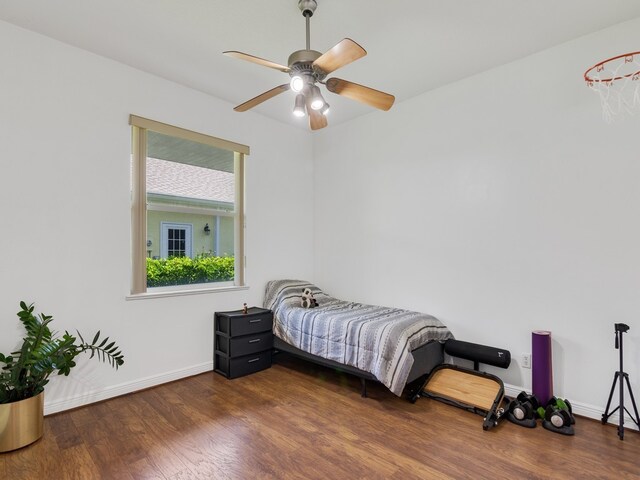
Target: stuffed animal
307 300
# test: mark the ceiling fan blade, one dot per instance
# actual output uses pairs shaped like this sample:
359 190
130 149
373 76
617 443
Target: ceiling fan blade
258 60
345 52
360 93
263 97
316 119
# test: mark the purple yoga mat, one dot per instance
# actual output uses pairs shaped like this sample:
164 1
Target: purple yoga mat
542 371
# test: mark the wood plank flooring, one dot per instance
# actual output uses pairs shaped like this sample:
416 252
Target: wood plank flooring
301 421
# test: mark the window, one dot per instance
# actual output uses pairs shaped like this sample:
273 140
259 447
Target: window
187 208
176 240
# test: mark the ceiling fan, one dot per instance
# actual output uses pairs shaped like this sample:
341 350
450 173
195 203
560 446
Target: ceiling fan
309 67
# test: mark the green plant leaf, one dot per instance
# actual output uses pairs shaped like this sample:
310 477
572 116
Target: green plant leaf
42 353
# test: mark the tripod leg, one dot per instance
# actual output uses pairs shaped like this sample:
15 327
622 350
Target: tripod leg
607 414
633 402
621 412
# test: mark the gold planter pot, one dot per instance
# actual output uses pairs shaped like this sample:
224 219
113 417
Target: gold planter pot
21 422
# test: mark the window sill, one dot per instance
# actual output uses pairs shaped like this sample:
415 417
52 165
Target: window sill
180 293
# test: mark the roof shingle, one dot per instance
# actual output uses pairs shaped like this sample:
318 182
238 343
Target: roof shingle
187 181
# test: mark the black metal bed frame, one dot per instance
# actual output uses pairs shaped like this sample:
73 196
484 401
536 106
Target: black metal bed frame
426 358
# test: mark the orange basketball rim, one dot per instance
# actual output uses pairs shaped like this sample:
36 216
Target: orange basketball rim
617 82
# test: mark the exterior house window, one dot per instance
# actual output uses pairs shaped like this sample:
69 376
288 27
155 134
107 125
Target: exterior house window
176 240
187 209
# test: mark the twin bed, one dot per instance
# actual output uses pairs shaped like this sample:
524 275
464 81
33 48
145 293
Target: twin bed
390 345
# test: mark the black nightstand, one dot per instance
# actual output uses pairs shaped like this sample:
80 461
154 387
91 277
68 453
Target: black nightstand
242 342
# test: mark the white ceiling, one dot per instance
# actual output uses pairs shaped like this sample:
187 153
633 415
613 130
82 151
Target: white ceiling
413 46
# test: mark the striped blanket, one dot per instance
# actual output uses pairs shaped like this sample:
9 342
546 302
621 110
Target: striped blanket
378 340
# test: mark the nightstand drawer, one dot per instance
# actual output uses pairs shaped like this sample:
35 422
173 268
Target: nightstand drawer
237 367
244 345
256 321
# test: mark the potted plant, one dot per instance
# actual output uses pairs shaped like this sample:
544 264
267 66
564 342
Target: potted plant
26 372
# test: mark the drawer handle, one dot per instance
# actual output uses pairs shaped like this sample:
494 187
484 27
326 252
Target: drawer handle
255 321
253 360
255 340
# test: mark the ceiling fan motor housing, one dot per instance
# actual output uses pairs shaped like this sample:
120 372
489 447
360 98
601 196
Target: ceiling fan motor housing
307 7
301 63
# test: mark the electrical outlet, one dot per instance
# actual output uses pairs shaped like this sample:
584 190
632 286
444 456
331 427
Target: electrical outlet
526 360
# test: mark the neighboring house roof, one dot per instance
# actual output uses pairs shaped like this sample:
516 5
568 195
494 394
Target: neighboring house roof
186 181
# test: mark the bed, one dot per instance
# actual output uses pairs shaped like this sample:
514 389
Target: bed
390 345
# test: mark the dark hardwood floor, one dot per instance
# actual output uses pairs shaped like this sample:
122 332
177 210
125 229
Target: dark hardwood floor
297 420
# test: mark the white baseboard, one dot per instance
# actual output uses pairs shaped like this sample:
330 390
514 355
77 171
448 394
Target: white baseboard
582 409
124 388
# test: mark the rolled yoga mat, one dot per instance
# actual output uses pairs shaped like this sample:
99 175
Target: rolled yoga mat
542 371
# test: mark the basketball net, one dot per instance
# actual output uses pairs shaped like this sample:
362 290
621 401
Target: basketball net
617 81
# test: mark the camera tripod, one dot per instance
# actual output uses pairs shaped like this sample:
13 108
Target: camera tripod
620 375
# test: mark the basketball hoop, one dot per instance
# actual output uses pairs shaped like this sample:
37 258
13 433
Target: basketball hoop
617 81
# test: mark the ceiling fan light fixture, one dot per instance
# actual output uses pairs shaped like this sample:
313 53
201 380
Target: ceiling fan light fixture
325 109
297 83
317 102
298 109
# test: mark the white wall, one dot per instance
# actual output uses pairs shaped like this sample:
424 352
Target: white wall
501 204
64 194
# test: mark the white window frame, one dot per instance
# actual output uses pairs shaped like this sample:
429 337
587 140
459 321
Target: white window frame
140 126
164 237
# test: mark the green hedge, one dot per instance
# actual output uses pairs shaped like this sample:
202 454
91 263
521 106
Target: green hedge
185 270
